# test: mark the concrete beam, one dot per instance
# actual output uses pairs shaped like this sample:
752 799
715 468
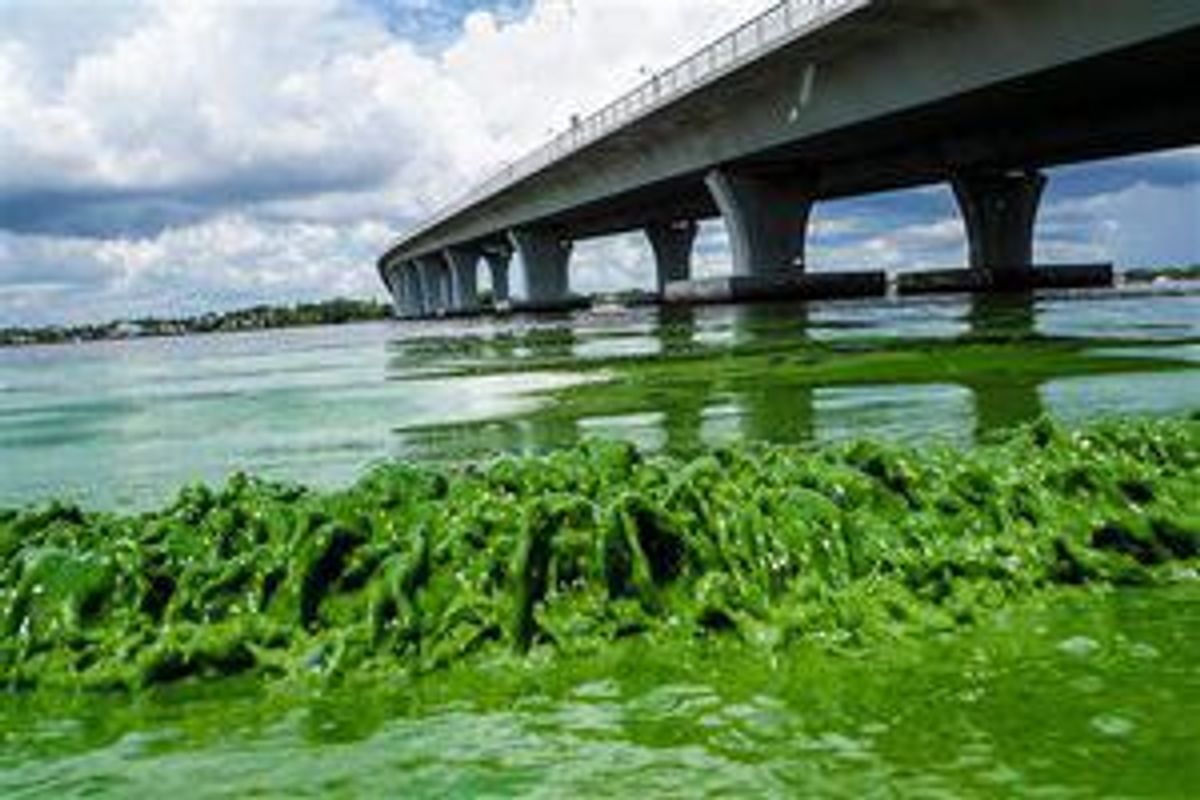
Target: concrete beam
672 245
498 260
464 275
777 286
766 217
545 255
1000 210
1056 276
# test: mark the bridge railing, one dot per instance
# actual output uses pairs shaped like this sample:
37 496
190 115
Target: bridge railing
782 22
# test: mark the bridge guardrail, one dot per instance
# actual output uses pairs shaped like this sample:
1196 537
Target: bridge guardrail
781 22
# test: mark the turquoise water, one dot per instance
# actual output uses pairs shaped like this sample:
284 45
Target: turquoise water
124 424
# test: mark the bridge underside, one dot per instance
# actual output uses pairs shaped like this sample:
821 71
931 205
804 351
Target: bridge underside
1119 104
989 142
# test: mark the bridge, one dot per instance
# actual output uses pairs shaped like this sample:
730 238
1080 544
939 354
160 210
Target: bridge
823 99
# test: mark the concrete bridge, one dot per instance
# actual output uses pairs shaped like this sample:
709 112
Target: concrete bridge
822 99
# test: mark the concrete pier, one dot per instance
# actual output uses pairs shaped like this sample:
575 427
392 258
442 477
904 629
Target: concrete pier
395 276
1057 276
436 286
672 244
414 293
545 255
498 258
1000 210
766 217
390 273
420 289
464 279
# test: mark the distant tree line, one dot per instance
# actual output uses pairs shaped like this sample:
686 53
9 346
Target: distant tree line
330 312
1182 273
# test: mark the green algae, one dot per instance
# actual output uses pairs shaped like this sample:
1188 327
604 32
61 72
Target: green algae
771 365
639 385
414 569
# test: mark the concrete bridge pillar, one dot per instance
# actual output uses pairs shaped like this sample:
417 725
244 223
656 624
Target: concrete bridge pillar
393 277
390 275
407 280
672 244
396 277
1000 209
545 256
422 282
766 217
498 259
436 284
464 262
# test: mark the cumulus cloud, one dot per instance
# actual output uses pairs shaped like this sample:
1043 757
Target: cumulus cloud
158 155
130 130
226 261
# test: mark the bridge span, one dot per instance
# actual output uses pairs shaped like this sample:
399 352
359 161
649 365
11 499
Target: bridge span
823 99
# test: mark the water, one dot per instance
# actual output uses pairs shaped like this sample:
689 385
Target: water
1087 697
1079 695
125 424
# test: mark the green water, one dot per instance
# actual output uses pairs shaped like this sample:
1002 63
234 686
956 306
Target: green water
124 424
1067 693
1093 696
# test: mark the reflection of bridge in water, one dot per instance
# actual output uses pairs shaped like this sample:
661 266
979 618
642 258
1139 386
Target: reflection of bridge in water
704 407
790 413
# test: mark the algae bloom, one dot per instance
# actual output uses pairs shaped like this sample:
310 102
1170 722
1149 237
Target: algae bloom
414 569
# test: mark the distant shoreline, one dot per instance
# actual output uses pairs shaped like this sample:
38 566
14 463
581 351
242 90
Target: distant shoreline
1188 273
340 311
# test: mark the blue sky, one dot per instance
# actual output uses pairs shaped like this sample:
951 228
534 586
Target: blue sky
434 24
163 157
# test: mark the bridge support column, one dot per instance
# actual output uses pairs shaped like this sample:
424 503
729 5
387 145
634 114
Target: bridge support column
1000 209
437 288
545 256
766 217
390 274
409 284
464 262
396 278
672 244
422 282
498 259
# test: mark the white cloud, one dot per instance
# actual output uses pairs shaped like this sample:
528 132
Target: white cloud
1125 226
227 261
210 153
161 126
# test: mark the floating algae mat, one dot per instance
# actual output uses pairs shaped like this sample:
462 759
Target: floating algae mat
416 570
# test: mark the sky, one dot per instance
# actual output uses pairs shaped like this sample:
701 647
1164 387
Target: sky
170 157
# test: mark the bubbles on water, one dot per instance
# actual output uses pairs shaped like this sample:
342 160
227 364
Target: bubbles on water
598 690
1144 652
1113 725
1089 684
1079 647
840 746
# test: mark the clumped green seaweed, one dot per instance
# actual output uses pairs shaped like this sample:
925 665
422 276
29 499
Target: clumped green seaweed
415 569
